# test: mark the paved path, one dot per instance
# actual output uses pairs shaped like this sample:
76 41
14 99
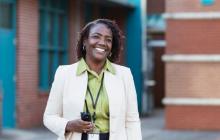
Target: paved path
152 129
31 134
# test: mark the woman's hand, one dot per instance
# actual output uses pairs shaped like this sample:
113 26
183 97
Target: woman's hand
79 126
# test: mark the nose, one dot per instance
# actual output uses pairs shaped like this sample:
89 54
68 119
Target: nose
102 41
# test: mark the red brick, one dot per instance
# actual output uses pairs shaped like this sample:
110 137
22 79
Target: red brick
192 117
193 37
30 105
155 6
198 80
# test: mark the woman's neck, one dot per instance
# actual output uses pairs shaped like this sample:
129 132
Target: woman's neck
95 66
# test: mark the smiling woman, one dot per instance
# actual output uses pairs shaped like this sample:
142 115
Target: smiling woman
113 36
98 46
94 99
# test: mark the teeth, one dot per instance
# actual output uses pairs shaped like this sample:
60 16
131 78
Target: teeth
99 49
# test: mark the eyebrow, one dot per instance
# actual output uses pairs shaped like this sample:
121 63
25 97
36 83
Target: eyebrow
101 34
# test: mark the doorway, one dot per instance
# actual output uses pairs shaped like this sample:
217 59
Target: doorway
7 62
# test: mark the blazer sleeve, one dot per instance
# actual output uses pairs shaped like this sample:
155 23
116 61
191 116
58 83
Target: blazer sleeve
132 122
53 119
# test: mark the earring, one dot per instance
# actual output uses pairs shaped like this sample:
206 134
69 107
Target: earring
84 48
110 54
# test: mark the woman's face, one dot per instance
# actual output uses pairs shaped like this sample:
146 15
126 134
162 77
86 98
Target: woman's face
99 43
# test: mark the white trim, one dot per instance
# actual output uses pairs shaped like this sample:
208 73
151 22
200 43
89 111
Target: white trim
190 58
149 83
192 101
156 43
192 15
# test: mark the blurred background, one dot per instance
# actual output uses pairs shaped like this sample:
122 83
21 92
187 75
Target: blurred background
171 46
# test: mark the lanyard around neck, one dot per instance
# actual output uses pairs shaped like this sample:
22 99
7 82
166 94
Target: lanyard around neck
94 103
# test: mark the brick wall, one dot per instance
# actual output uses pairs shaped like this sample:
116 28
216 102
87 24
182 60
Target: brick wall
190 6
155 6
30 104
194 80
198 80
193 36
192 117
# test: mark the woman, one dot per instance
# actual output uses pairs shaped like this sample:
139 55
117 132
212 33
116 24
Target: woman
94 98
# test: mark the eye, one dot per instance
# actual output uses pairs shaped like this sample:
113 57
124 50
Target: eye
95 36
109 40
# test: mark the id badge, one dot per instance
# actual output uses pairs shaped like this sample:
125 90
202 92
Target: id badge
93 136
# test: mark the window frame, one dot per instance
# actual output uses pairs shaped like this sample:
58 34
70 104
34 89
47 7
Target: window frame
53 23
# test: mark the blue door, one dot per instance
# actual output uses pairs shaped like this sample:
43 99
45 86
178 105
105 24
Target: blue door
7 62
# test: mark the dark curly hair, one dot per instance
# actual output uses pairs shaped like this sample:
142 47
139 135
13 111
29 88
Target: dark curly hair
117 38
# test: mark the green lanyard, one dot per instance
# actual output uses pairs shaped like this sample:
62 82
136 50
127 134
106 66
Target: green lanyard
92 99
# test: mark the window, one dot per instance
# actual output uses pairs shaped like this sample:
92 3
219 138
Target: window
52 39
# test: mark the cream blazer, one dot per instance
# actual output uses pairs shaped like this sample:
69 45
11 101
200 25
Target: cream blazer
67 97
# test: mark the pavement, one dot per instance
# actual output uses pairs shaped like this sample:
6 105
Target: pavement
152 129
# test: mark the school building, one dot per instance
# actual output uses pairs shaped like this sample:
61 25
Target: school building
172 48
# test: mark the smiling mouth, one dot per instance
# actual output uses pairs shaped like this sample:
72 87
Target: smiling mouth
100 49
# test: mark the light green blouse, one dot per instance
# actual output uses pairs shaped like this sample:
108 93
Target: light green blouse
94 81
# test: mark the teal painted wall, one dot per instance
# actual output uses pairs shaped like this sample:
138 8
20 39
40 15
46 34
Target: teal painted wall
7 62
133 47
